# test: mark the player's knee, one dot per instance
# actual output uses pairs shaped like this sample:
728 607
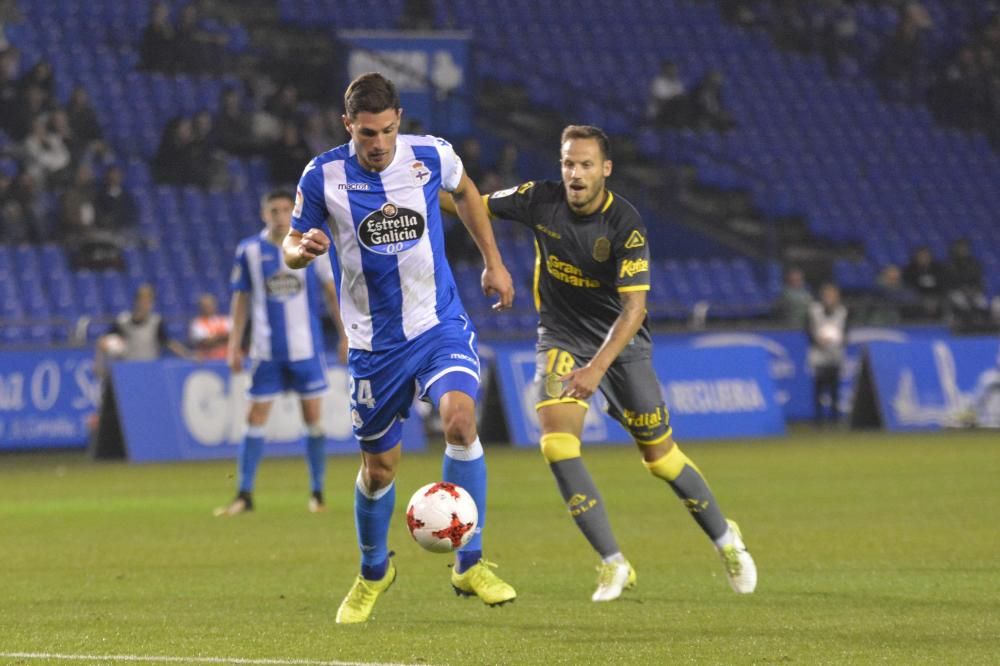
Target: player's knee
379 473
558 446
459 427
667 466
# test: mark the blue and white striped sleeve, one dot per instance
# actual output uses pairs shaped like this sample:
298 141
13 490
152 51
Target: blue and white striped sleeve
310 205
451 165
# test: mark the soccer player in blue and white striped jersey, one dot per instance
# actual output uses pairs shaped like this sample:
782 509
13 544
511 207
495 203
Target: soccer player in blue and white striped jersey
286 343
374 201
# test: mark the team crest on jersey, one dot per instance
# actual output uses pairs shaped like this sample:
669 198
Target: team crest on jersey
283 286
635 240
602 249
391 229
297 210
420 173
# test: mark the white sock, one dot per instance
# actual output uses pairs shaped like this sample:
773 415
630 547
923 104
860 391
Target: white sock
471 452
378 494
727 539
617 558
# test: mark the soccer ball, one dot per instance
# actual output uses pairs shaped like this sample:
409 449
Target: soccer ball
442 517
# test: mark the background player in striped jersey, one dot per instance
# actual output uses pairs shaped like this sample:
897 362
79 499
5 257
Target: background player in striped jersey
591 279
286 343
408 331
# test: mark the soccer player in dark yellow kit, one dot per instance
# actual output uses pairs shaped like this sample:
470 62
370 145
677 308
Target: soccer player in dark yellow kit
591 279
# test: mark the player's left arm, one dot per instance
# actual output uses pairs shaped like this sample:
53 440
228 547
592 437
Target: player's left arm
472 211
582 382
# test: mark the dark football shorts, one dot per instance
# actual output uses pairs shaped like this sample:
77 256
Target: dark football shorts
631 388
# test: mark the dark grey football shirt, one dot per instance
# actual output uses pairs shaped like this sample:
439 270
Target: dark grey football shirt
582 264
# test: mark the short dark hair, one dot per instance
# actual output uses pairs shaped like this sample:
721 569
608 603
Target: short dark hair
370 93
276 194
588 132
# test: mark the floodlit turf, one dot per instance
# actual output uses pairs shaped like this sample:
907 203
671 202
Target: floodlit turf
871 549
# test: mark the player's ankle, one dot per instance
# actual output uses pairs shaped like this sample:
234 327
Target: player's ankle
467 559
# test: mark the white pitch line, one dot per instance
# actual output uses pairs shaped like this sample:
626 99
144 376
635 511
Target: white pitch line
190 660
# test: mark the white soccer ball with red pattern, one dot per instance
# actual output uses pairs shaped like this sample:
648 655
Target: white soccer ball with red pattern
442 517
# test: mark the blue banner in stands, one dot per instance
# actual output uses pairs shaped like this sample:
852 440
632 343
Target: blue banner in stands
430 70
177 410
940 383
787 350
46 398
717 393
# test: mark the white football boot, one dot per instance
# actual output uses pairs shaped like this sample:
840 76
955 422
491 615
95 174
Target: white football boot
740 567
612 579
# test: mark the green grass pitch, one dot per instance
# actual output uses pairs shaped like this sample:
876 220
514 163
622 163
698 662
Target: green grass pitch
871 549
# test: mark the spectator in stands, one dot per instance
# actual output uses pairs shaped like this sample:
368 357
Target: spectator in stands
316 135
288 155
184 159
199 48
10 98
957 97
77 212
827 331
209 330
40 77
706 104
507 168
472 159
838 34
158 48
926 277
24 209
46 155
99 156
59 126
739 11
90 242
903 60
792 308
115 207
137 335
283 105
790 26
234 127
13 227
668 102
82 117
417 15
892 301
967 302
176 152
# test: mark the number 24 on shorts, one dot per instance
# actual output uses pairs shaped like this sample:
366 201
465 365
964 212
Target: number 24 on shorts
361 392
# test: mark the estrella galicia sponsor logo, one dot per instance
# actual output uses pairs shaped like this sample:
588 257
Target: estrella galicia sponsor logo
391 229
283 286
353 187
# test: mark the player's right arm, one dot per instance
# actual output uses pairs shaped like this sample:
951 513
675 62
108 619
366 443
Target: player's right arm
301 248
306 239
